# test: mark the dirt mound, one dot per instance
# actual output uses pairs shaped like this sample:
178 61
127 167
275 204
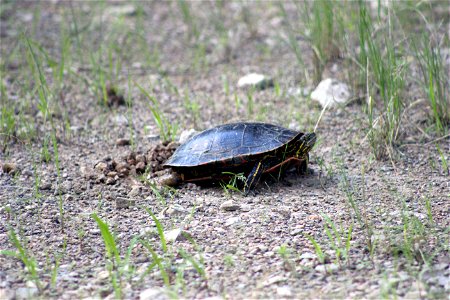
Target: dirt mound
134 163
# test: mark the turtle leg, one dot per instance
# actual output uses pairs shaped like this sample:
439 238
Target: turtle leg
302 167
254 176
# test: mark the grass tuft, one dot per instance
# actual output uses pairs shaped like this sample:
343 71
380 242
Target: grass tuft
385 75
167 129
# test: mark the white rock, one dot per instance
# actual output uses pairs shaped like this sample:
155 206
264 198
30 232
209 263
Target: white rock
102 275
172 235
147 230
6 294
269 254
231 221
176 209
25 17
328 268
256 80
273 279
307 255
175 235
122 10
121 120
444 281
26 293
298 91
284 291
76 129
186 135
332 92
152 293
383 5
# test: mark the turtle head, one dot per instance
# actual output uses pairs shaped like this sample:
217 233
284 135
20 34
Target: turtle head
305 144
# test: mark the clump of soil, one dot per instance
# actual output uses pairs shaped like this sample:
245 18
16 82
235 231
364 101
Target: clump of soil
114 98
112 169
158 155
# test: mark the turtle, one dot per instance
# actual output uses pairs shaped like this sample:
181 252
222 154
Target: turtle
251 148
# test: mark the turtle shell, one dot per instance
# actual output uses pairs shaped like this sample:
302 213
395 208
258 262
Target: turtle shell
231 144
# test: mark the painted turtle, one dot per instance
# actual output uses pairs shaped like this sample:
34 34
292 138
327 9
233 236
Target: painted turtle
251 148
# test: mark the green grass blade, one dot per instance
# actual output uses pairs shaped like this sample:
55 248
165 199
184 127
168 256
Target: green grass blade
158 261
160 229
108 239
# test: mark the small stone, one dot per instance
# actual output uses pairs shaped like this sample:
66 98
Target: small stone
307 255
186 135
175 235
443 281
25 17
259 81
123 169
176 209
26 293
135 191
122 142
30 284
124 202
231 221
68 197
296 231
152 294
229 205
284 291
141 158
101 166
269 254
327 268
246 208
274 279
331 92
6 294
87 172
102 275
110 181
112 174
76 129
199 201
441 266
121 120
10 168
152 137
101 178
120 10
45 186
140 167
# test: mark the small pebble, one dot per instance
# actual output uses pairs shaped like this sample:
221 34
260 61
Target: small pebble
259 81
9 168
229 205
45 186
124 202
122 142
175 235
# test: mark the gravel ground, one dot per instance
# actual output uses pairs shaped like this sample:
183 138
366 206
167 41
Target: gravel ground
391 215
